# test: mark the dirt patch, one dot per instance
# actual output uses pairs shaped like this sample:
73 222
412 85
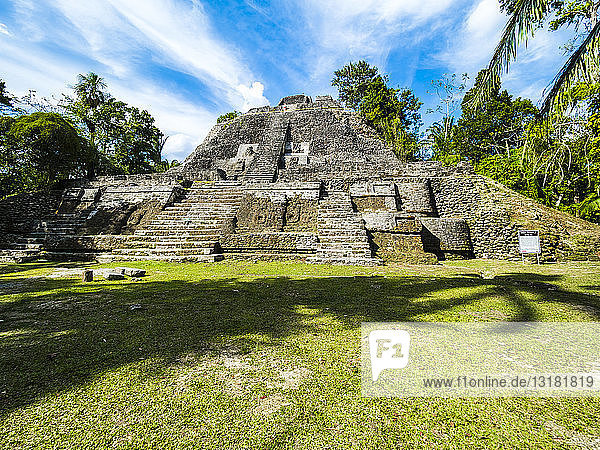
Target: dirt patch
270 404
62 272
292 379
572 438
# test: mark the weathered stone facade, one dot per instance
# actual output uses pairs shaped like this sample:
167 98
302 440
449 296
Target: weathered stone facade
305 179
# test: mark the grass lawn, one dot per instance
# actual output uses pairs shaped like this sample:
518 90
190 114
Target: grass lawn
264 355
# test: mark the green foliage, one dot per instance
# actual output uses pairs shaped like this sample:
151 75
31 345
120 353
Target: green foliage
441 134
498 126
38 150
353 81
124 139
4 95
573 12
509 170
394 113
228 116
558 164
166 165
526 17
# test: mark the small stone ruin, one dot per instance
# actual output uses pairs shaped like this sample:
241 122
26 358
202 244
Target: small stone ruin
304 180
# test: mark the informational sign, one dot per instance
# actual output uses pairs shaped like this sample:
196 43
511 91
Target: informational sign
529 241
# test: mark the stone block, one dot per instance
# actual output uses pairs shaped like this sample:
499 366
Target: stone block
131 272
88 276
110 274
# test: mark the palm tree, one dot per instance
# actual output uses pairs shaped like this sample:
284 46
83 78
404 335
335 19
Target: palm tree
582 66
90 89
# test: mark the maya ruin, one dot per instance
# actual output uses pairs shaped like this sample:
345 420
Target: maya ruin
305 179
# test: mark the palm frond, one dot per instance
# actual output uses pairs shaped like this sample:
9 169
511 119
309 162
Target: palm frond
583 65
527 14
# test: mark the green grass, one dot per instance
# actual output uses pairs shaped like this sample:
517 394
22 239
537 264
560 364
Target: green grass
264 355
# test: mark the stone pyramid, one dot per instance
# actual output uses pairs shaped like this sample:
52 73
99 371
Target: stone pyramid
305 180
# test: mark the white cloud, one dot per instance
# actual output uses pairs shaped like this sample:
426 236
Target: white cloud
178 35
475 41
345 30
4 30
178 146
253 95
121 40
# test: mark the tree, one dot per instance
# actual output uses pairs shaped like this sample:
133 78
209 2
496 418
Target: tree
525 17
124 139
5 99
498 126
441 133
37 150
353 81
394 113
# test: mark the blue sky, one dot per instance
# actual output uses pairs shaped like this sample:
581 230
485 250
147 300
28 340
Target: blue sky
187 61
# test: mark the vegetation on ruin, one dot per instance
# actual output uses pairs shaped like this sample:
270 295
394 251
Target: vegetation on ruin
394 113
228 116
88 133
264 355
39 150
556 162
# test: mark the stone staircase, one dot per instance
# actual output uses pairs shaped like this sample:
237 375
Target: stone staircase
265 166
190 229
34 245
342 235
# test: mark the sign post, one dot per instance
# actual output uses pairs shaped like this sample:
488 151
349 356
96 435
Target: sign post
529 242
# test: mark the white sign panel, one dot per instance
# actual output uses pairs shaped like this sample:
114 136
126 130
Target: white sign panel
529 241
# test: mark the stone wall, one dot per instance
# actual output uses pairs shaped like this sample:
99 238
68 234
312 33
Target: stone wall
269 242
404 248
446 238
21 213
125 204
301 214
494 215
260 214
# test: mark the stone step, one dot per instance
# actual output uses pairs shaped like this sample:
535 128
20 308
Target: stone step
18 256
18 246
31 240
162 252
198 220
167 239
161 245
200 207
338 247
340 219
359 238
341 232
56 229
201 236
191 215
44 234
170 258
187 245
179 230
351 261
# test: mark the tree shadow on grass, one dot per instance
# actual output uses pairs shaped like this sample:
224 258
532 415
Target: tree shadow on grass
63 333
6 269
